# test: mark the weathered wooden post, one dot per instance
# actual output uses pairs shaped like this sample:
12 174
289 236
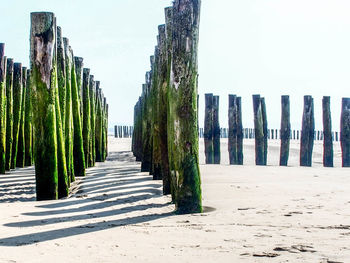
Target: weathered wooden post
28 135
9 113
285 130
98 124
239 131
208 129
182 96
115 131
17 109
78 63
216 130
78 145
68 133
21 141
2 109
86 116
265 129
92 94
43 65
345 132
232 129
61 76
327 132
259 131
307 132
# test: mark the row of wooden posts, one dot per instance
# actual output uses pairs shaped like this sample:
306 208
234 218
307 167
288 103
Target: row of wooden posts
123 131
53 114
165 135
236 133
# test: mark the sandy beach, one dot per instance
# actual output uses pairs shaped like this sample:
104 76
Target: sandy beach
118 214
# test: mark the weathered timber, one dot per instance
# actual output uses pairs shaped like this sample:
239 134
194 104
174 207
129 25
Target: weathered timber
182 101
146 128
259 131
78 145
232 129
21 140
98 124
345 132
307 132
327 132
3 66
78 62
86 116
28 135
265 129
240 136
216 130
9 112
17 110
285 130
61 76
208 129
92 94
44 81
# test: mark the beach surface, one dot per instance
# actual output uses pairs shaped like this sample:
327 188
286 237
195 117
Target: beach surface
118 214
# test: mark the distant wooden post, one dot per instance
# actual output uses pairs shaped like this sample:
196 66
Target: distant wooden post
285 131
17 110
265 129
43 66
345 132
216 130
307 132
208 129
327 133
259 131
182 95
115 131
2 109
232 129
239 131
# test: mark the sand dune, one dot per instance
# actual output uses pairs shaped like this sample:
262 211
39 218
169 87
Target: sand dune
118 214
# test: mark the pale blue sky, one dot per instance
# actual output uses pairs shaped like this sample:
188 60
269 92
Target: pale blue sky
271 47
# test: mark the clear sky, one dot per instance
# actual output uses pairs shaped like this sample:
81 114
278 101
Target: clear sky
269 47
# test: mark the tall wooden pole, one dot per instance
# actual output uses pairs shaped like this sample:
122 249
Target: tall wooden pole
327 132
208 129
232 129
61 76
285 130
9 112
259 131
43 64
216 130
21 140
92 94
307 132
86 116
182 96
265 129
28 135
345 132
3 66
239 130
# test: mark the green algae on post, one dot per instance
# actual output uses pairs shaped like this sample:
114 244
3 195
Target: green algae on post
21 141
2 109
86 116
92 94
9 113
42 57
28 135
61 76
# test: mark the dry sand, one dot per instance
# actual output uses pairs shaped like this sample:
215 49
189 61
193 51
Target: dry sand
117 214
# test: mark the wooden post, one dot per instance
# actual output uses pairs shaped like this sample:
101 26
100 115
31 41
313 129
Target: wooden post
78 63
307 132
86 116
61 76
2 109
345 132
98 124
285 130
265 129
208 129
259 132
216 130
327 132
43 64
92 94
78 145
17 109
232 129
21 141
9 113
239 131
182 96
146 127
28 135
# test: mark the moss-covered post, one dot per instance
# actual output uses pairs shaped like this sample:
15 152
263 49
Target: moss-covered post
265 129
79 77
43 88
28 136
327 132
92 94
68 126
182 96
21 140
98 124
345 132
86 116
146 127
78 146
208 129
9 112
232 129
259 131
2 109
285 130
61 76
307 132
240 136
216 130
17 110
